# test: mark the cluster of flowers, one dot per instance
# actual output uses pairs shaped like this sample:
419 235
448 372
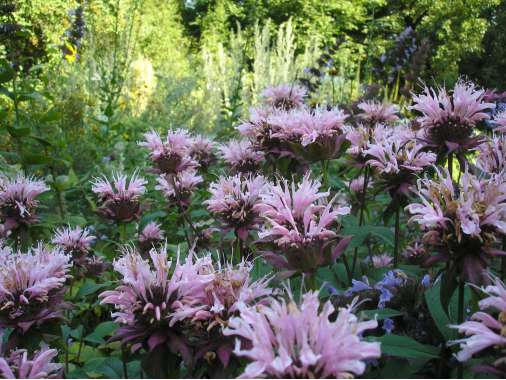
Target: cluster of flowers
198 308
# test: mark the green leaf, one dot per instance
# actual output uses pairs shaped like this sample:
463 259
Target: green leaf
380 314
7 73
90 287
405 347
103 330
433 300
36 159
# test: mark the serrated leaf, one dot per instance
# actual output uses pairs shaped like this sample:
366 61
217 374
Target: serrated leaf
441 319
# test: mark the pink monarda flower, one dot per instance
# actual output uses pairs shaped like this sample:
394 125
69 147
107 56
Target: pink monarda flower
284 96
149 295
76 240
241 156
398 162
120 199
378 113
235 201
449 121
485 331
230 289
313 134
171 155
31 286
150 236
178 189
301 222
360 137
18 365
357 185
202 151
285 340
18 200
461 221
492 156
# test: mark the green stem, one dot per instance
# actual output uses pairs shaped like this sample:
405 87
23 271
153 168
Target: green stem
348 271
450 165
124 359
460 319
238 249
361 213
397 236
122 232
310 281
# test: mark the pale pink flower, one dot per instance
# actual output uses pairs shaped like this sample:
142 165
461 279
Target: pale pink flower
284 96
449 121
153 295
286 340
31 286
235 201
382 261
359 138
492 156
301 220
202 151
357 185
76 240
120 199
241 156
151 235
18 201
317 134
378 113
485 331
398 162
17 364
461 220
171 155
179 188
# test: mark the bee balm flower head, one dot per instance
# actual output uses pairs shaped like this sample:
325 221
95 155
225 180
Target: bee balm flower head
18 364
286 340
284 96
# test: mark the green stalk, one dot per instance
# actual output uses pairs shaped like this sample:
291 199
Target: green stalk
460 319
397 236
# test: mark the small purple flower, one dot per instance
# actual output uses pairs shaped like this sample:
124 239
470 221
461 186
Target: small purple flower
426 280
388 325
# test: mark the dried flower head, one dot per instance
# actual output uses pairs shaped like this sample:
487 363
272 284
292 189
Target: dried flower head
448 120
18 200
31 286
242 156
235 201
120 199
286 340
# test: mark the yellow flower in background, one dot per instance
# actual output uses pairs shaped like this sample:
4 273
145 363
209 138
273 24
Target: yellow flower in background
71 52
140 85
